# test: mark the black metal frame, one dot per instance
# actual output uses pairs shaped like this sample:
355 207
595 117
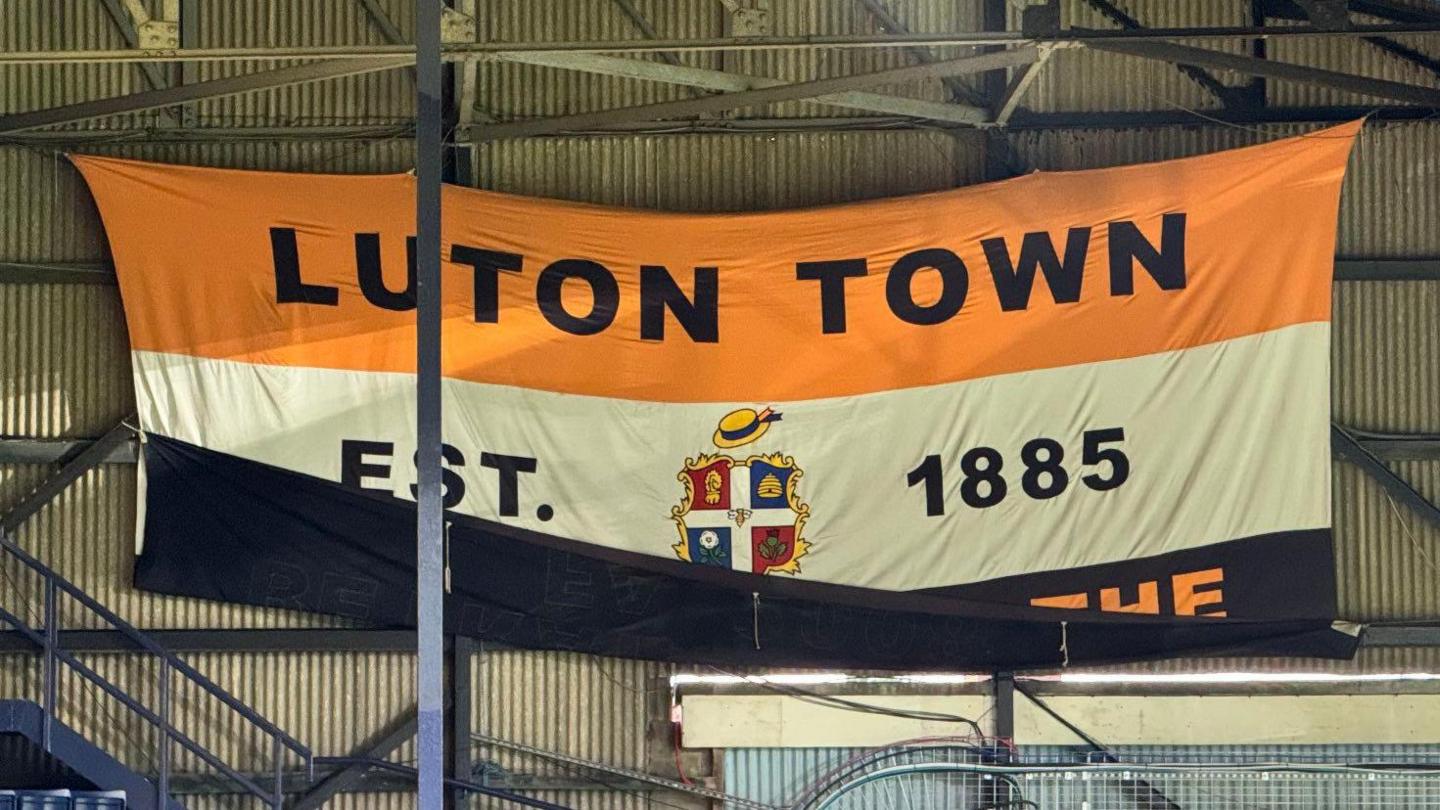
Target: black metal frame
48 640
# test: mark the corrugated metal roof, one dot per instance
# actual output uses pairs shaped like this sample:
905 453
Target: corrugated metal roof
84 25
28 25
1351 55
510 91
1079 79
798 17
732 172
383 97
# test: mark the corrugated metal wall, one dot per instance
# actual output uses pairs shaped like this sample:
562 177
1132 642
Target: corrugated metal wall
64 369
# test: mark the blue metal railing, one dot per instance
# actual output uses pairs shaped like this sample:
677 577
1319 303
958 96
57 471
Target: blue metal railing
170 665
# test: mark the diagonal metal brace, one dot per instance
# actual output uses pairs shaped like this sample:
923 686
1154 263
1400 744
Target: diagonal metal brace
1223 93
1284 71
817 89
400 729
200 91
1346 447
892 25
82 463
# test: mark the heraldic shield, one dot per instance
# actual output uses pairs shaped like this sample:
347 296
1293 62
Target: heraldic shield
742 514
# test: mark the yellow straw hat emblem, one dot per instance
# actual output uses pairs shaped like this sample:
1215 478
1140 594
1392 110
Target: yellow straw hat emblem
743 426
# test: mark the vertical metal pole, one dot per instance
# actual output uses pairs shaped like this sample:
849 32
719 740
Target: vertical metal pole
1258 93
52 640
189 71
429 534
1004 683
277 756
162 791
1004 686
460 709
993 15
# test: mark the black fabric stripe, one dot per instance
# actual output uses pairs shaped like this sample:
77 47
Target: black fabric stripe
1284 575
220 527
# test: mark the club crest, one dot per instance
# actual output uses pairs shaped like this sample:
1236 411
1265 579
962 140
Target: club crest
742 513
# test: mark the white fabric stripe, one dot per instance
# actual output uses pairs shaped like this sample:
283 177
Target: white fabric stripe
1224 441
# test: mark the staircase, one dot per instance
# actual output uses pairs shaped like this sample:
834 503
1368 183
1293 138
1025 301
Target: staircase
157 690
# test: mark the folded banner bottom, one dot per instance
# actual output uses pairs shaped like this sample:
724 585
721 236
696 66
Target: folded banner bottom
224 528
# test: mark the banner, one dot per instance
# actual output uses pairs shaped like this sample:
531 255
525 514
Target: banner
1066 417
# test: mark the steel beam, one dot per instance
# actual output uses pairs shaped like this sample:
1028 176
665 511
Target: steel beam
298 782
482 50
1348 447
1401 635
638 19
95 453
1398 10
1020 84
120 16
56 273
59 451
462 693
998 791
1003 684
377 16
189 12
1304 74
467 84
580 764
1406 53
1399 446
201 91
1138 119
1297 10
429 512
749 98
191 134
1023 119
1226 95
460 784
322 640
727 82
890 23
397 731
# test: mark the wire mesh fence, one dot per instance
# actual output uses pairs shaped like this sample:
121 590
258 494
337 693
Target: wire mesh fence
1130 787
973 774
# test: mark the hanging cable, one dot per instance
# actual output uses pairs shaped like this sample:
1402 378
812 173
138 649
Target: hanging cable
1142 789
845 704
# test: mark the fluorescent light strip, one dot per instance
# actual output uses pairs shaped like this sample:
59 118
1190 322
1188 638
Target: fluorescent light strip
1242 677
942 679
820 679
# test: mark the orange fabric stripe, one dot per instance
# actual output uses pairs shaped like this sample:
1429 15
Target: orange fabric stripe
1072 601
193 251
